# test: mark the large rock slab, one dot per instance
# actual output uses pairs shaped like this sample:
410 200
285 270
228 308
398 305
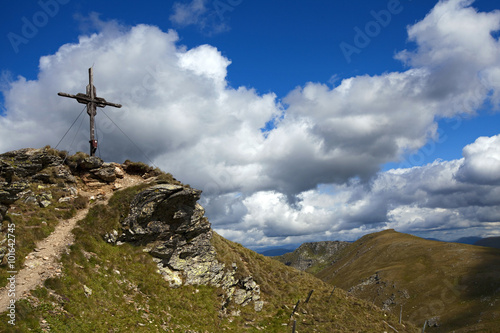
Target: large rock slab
167 217
106 173
167 220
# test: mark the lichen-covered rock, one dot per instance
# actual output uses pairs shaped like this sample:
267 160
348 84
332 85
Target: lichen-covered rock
111 237
3 210
3 248
9 193
248 291
106 173
44 200
45 203
173 277
258 305
240 296
165 210
91 162
87 291
63 173
19 169
167 220
26 162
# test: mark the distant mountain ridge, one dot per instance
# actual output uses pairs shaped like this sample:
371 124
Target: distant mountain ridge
456 287
313 256
478 241
489 242
468 240
452 286
275 252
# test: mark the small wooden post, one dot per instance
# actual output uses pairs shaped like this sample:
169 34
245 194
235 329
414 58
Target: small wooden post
294 325
331 294
395 330
295 308
91 110
309 296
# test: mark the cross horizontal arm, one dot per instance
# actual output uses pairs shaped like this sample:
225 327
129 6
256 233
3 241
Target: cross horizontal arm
81 97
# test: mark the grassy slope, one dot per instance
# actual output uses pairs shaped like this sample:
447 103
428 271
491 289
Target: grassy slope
33 223
129 296
459 283
282 286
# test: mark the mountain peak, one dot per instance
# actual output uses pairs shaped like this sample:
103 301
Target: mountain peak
108 246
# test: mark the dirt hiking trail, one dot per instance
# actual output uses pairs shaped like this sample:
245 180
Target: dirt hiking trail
43 262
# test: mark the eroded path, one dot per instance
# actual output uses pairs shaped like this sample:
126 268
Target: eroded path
43 263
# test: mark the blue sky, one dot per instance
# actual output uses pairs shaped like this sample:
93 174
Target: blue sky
274 46
315 68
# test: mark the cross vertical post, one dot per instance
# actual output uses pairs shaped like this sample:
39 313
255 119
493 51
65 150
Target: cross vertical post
91 110
92 102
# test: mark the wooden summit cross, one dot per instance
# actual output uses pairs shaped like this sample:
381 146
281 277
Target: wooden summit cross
92 102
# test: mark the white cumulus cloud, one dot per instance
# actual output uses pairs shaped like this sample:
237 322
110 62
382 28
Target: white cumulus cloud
315 173
482 161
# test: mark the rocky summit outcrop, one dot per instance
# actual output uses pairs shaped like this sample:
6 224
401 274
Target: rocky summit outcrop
50 179
169 223
20 169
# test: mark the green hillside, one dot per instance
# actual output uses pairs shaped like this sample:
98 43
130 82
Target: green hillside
455 287
128 295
